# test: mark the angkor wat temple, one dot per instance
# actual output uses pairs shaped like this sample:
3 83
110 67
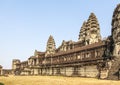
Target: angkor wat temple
90 56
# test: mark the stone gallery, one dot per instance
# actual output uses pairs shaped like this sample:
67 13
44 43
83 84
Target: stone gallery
90 56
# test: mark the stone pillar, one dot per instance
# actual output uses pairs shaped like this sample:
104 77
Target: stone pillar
37 62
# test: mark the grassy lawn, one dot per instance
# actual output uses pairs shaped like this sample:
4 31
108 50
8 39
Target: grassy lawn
53 80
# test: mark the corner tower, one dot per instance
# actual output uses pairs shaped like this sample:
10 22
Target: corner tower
116 31
50 48
92 30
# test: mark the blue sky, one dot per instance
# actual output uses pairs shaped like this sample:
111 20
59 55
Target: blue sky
25 25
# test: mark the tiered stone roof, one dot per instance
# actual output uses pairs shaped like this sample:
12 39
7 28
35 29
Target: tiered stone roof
82 32
90 30
92 22
50 49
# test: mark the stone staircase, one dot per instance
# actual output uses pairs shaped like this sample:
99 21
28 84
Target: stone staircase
113 73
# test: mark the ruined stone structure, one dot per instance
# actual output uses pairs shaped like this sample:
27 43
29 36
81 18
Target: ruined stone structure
90 56
5 71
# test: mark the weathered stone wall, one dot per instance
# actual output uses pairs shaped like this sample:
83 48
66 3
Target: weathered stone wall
63 71
69 71
83 71
54 71
32 72
91 71
104 74
43 71
36 71
24 73
50 72
88 71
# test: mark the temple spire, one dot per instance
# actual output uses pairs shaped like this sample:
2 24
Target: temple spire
92 30
50 48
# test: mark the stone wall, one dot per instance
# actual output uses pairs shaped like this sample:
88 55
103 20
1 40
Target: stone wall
83 71
104 74
88 71
63 70
69 71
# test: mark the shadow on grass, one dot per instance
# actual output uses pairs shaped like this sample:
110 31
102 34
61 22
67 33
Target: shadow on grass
1 83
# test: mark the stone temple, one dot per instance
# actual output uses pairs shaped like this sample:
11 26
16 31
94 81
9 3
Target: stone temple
90 56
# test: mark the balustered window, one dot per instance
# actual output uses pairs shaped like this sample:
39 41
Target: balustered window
97 54
87 55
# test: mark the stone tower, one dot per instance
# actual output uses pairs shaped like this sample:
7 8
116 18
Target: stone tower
14 62
50 49
82 33
92 30
114 72
116 31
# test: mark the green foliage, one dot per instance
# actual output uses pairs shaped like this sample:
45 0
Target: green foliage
1 84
